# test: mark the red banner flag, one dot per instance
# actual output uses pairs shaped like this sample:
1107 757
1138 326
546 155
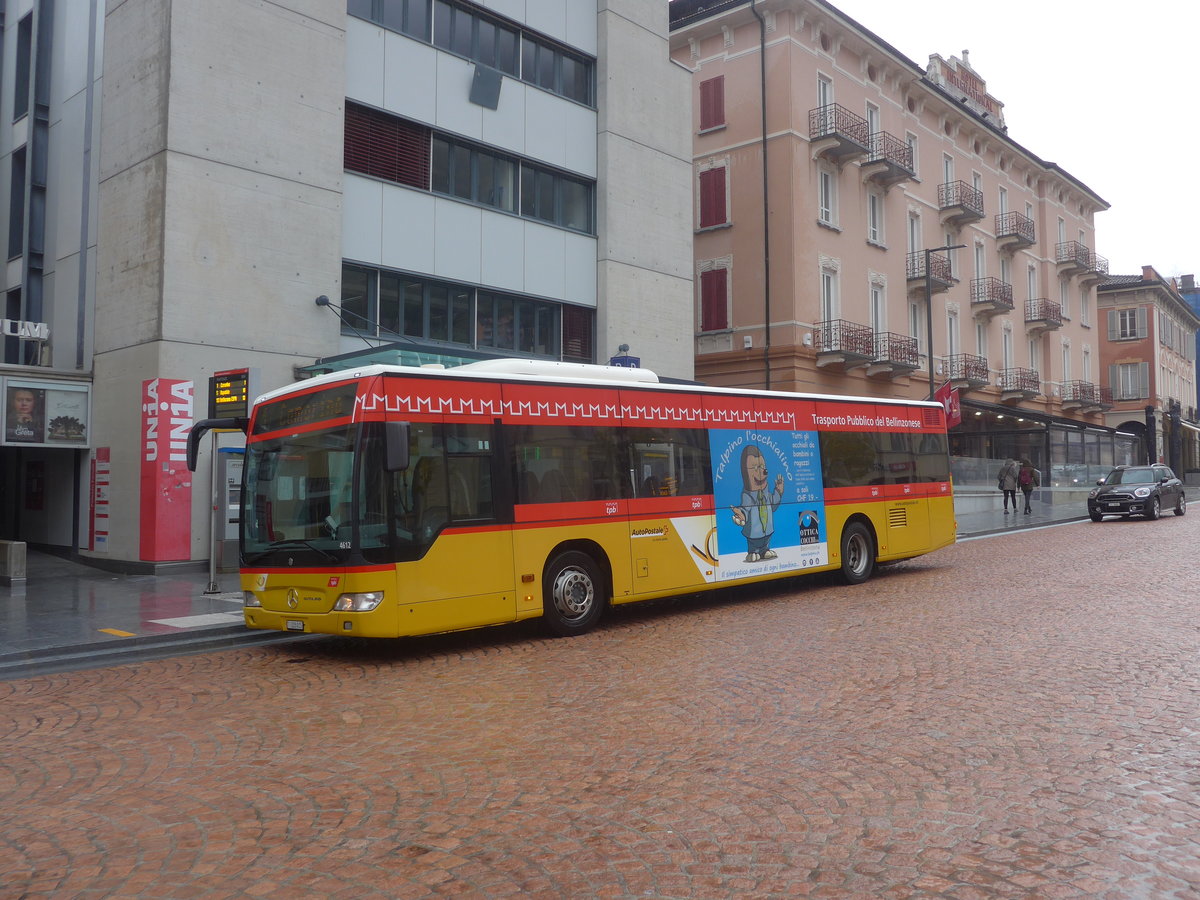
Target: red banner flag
948 397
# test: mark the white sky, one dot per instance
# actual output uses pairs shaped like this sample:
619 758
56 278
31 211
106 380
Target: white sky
1107 91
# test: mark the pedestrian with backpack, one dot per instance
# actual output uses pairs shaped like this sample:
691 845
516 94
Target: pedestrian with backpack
1006 481
1027 479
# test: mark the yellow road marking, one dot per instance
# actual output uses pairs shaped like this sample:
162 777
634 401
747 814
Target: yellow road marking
117 633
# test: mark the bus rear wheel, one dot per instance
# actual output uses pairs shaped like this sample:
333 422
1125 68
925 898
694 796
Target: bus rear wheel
573 594
858 553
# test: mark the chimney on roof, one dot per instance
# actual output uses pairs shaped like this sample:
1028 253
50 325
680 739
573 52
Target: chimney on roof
1189 282
966 57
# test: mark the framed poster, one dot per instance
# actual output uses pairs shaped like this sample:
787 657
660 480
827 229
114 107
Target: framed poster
46 413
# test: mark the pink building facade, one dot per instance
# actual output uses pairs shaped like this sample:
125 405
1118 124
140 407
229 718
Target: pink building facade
1149 358
874 166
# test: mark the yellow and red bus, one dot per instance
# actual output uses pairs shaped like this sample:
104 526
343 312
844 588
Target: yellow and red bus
391 501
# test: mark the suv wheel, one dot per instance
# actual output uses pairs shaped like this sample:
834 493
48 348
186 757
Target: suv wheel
1155 509
1181 506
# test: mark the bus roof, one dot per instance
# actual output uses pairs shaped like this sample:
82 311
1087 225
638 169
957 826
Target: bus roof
561 373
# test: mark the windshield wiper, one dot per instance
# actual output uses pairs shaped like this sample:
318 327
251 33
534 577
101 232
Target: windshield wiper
291 542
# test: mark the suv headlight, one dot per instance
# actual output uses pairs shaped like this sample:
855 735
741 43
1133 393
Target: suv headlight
249 599
1143 492
364 602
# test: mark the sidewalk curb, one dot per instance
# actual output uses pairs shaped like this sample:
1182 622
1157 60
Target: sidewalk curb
119 651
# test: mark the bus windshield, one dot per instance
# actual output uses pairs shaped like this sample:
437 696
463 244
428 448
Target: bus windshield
326 497
298 488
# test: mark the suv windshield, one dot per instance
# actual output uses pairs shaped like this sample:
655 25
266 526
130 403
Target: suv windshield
1141 475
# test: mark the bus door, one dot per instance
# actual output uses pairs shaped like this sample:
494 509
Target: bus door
671 524
907 498
467 567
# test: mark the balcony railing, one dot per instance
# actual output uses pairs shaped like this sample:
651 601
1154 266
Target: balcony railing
1080 394
991 295
1097 267
1106 397
968 370
838 134
959 202
852 342
940 274
889 161
1072 257
898 351
1020 380
1014 231
1043 315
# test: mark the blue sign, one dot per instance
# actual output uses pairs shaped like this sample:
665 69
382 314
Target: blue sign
627 362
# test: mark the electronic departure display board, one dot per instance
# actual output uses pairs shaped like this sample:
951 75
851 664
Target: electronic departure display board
229 394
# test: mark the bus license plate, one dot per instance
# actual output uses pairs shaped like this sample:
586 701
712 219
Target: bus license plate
295 625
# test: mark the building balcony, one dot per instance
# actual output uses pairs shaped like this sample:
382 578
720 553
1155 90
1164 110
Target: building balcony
1072 258
1042 315
959 203
1097 269
895 355
844 345
890 160
1019 384
1014 232
968 372
940 277
837 135
1081 395
1106 398
990 296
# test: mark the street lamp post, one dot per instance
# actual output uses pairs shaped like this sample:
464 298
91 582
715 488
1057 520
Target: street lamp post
929 308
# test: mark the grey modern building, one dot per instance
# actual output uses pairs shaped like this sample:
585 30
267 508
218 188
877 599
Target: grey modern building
457 179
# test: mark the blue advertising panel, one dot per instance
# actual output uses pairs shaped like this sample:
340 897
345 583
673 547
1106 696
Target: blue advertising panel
770 504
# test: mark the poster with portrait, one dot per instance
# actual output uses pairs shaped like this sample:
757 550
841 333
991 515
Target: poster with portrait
46 413
25 414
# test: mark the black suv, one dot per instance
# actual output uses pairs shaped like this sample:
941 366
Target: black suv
1137 491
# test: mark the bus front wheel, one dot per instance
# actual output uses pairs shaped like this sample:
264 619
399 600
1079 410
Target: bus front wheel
858 553
572 594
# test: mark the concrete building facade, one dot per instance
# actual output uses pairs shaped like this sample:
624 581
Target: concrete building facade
189 179
897 238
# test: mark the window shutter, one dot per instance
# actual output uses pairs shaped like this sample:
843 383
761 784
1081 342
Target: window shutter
714 293
1142 328
577 334
712 102
1113 334
1143 378
386 147
1114 382
712 197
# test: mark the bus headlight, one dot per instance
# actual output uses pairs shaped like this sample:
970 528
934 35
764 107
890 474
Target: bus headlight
248 599
364 602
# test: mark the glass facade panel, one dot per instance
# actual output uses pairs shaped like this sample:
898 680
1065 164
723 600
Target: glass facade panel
389 304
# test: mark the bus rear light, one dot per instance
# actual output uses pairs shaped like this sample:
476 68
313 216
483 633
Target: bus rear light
364 602
249 599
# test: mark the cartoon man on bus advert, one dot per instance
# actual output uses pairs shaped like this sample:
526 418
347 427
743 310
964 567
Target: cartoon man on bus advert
756 515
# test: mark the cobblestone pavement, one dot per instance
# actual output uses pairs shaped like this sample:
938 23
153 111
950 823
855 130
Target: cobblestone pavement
1008 717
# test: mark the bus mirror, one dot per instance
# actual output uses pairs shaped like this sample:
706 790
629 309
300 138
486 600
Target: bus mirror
396 439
